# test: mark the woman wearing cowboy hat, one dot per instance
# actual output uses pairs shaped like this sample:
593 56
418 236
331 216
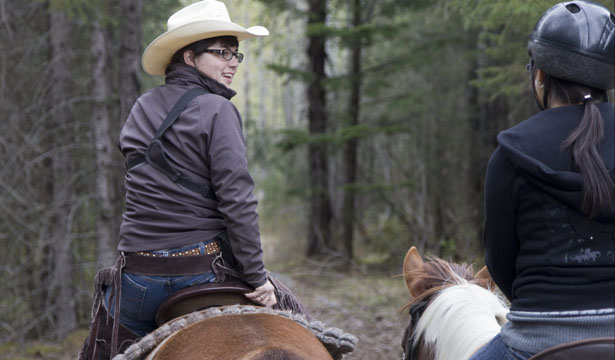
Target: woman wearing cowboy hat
549 191
188 190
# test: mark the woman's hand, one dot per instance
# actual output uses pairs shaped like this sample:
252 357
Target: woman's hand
264 295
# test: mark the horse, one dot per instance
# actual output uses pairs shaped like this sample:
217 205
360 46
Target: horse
237 330
245 336
454 312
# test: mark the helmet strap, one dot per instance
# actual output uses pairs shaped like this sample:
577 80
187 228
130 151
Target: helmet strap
545 93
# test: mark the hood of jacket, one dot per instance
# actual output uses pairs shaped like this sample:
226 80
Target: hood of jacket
182 74
535 149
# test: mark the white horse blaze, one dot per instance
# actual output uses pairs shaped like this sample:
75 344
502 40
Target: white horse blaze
460 320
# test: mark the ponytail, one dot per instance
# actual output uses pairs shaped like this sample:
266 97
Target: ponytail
598 187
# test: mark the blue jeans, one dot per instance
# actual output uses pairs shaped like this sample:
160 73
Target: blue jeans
142 295
497 350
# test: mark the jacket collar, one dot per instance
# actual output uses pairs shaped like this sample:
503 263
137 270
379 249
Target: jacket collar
182 74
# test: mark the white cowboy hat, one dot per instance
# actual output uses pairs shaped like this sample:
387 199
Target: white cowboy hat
201 20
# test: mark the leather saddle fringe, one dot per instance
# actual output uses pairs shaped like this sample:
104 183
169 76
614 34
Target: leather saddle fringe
286 299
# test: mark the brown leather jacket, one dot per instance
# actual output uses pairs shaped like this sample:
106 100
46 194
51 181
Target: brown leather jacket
206 144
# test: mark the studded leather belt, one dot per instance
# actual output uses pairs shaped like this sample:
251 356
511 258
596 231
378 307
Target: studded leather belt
210 249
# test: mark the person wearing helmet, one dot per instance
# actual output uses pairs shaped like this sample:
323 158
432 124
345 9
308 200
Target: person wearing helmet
549 194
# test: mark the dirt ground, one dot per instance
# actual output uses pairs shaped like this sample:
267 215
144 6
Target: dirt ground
364 302
367 306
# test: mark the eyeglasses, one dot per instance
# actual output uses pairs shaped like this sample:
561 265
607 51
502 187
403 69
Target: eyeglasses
226 54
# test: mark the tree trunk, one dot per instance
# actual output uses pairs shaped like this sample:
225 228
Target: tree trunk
103 145
350 156
61 294
130 56
319 231
129 89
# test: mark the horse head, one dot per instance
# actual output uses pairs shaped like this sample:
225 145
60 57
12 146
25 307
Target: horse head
453 312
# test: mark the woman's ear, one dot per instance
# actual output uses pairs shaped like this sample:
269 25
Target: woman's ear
189 58
539 79
539 85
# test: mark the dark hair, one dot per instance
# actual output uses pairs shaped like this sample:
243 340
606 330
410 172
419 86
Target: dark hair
198 47
582 143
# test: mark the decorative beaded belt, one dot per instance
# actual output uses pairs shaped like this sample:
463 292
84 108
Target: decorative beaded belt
210 249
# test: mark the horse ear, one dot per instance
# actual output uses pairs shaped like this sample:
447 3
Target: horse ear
412 262
484 278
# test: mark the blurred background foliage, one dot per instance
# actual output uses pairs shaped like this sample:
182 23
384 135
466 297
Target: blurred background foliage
413 94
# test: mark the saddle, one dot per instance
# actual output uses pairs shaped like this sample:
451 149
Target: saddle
201 297
229 292
594 349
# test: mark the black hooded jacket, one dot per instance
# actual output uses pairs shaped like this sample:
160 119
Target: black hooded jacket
541 250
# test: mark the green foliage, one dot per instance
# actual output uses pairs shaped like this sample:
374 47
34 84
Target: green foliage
292 138
382 243
365 32
506 80
320 30
291 73
155 15
154 24
393 8
295 137
362 131
282 6
87 11
503 27
78 9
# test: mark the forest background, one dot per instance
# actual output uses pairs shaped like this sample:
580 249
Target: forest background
369 126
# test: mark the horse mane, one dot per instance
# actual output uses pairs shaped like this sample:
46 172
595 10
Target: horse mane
437 274
448 301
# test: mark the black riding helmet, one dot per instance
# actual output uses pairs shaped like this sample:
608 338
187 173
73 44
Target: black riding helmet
575 41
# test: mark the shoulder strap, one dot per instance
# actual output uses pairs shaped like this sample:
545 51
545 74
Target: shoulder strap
156 157
177 109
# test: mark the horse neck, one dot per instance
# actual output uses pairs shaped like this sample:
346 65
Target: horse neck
459 320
